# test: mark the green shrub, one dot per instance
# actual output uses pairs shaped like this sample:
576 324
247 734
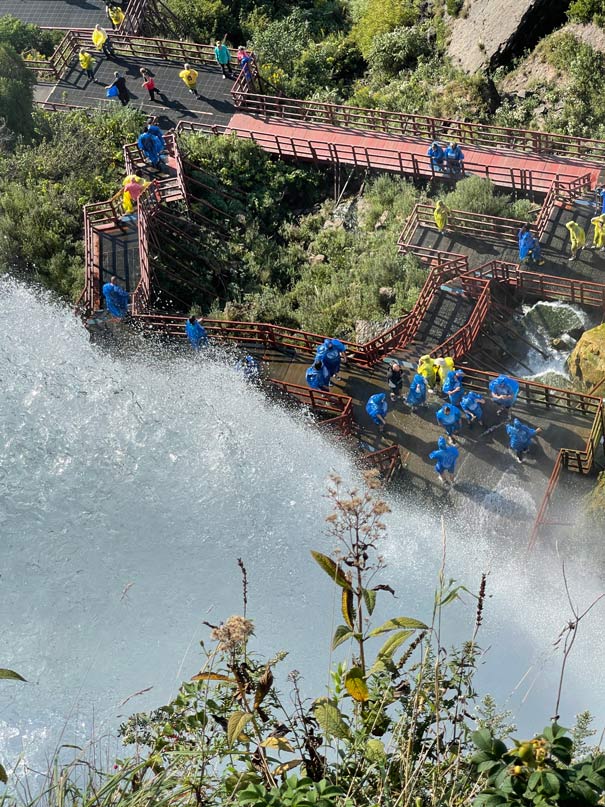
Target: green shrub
204 20
454 7
587 11
16 92
380 17
399 49
24 36
477 195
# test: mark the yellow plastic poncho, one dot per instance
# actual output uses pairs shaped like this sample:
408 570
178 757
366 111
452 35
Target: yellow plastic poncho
116 15
99 38
427 368
598 238
129 199
578 236
189 77
441 215
86 60
443 367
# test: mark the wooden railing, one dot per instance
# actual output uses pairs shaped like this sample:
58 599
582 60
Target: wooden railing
426 128
461 343
339 407
387 461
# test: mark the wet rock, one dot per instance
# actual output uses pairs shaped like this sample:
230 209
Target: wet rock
317 259
386 297
575 333
558 343
595 503
555 319
366 330
587 361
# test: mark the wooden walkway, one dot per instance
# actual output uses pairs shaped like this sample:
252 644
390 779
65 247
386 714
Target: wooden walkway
403 155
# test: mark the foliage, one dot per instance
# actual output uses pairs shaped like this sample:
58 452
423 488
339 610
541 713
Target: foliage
380 17
23 36
205 20
587 11
16 93
74 158
536 772
400 49
454 7
478 195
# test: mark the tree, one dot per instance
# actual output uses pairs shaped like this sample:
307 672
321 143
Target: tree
16 92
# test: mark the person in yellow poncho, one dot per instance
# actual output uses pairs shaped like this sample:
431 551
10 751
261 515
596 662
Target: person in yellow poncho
86 63
598 239
428 369
116 15
441 215
101 41
578 238
442 367
133 188
189 76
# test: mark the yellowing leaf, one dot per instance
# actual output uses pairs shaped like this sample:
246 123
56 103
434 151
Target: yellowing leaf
356 685
375 751
262 688
11 675
348 611
213 677
398 622
287 766
332 569
278 743
341 634
235 726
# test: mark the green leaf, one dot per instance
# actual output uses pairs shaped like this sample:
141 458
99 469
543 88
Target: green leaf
341 634
236 724
330 719
489 800
332 569
598 763
3 776
392 643
10 675
356 685
483 739
369 597
398 622
375 751
550 783
562 749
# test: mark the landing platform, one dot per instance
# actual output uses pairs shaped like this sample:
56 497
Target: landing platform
214 106
58 13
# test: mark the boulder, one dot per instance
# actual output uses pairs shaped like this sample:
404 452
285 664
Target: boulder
386 297
555 319
365 330
489 32
587 361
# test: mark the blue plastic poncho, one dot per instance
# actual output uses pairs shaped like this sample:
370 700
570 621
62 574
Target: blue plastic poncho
526 244
116 299
151 146
471 404
452 386
437 155
318 378
520 435
329 353
377 405
445 455
196 334
157 132
248 366
417 393
506 387
454 156
449 420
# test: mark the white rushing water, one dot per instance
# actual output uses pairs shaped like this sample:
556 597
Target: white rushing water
130 486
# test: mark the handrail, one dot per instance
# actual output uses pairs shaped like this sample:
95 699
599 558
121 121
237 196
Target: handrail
322 401
386 460
479 135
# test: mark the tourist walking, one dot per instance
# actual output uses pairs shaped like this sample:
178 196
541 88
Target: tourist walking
598 238
102 42
578 238
472 406
155 130
520 438
223 58
116 298
332 352
119 83
148 83
450 417
428 369
196 333
504 392
446 457
189 77
150 147
441 215
86 63
395 380
417 393
452 386
437 156
318 377
454 157
377 408
115 14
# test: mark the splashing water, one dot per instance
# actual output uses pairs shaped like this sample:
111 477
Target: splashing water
130 485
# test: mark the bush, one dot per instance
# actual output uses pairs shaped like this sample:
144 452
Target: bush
380 17
16 92
204 20
24 36
399 49
454 7
587 11
280 43
477 195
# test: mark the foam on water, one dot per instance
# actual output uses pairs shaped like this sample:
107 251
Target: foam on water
130 486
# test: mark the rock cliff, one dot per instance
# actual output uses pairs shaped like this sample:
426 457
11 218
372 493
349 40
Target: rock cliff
587 361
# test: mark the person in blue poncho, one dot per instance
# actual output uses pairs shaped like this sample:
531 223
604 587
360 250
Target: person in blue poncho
520 438
450 417
331 352
116 298
454 157
196 333
437 156
317 376
529 247
156 132
471 405
377 408
452 386
151 147
446 457
248 366
504 391
417 394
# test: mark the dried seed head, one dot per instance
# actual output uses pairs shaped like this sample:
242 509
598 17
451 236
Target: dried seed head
233 632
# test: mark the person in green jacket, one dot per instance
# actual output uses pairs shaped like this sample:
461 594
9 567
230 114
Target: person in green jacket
223 57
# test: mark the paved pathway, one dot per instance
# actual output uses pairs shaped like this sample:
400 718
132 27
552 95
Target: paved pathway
58 13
